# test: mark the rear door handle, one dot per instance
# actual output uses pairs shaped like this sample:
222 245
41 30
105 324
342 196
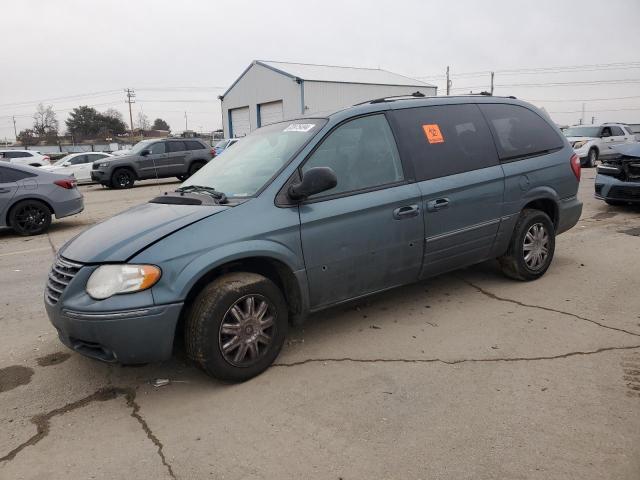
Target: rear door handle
435 205
407 211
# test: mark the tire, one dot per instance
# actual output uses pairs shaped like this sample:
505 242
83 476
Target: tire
182 178
534 232
592 158
195 166
226 301
122 178
30 217
615 203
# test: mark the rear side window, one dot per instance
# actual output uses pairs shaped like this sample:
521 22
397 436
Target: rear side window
444 140
616 131
520 132
362 153
16 154
193 145
11 175
175 147
78 160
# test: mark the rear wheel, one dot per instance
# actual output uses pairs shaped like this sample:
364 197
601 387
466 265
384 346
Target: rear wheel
30 217
195 166
236 326
532 246
122 178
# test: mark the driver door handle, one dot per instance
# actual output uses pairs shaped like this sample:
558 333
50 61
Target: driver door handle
435 205
407 211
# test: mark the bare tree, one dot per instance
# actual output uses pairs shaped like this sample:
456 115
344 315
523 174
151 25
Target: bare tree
45 123
113 113
143 121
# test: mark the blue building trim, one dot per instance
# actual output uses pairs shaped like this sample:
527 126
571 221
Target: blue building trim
277 70
230 124
258 115
301 96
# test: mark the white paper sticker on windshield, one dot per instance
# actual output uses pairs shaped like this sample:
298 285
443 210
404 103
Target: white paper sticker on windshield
299 127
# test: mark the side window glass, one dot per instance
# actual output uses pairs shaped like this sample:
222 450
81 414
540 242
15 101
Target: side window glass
157 148
175 147
11 175
606 132
362 153
520 132
78 160
616 131
445 140
193 145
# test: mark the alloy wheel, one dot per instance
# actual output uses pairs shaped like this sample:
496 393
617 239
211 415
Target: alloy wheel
247 330
30 218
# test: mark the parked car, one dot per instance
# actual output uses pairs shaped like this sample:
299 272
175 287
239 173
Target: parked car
592 142
77 164
124 151
222 145
25 157
30 196
153 159
618 179
310 213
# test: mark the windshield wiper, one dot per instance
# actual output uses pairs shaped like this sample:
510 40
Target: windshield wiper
219 196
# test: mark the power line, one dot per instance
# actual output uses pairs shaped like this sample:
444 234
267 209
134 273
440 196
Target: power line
600 111
69 97
585 99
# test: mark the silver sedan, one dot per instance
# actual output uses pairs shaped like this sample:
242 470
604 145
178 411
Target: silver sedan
30 196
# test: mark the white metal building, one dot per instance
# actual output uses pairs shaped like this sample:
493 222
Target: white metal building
268 92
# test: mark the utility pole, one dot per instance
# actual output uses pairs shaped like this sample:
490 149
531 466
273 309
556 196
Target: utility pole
15 130
185 122
448 81
582 117
593 120
492 74
131 98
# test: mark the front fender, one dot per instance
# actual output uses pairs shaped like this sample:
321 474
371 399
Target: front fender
181 274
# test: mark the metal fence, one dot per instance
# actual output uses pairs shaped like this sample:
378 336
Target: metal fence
101 147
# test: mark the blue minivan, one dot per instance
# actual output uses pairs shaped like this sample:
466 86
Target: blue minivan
312 212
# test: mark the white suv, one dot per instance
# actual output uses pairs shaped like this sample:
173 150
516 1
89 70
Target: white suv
592 142
25 157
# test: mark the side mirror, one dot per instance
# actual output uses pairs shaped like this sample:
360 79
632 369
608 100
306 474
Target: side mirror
315 180
145 152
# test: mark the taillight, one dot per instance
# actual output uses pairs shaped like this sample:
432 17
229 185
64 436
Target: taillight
66 183
46 158
575 166
213 152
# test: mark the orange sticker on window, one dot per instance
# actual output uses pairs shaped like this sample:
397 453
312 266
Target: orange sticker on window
433 133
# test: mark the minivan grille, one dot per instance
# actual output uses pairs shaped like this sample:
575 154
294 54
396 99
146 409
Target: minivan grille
62 272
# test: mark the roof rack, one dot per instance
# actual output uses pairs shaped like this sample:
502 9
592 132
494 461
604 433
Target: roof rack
392 98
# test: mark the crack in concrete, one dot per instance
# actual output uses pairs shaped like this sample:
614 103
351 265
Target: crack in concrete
43 421
452 362
53 247
547 309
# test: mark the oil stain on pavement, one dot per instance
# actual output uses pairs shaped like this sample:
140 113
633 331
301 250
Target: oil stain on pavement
53 359
14 376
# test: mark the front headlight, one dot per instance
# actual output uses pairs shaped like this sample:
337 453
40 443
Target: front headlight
109 280
103 164
580 144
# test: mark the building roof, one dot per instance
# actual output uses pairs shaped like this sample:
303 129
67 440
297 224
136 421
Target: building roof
331 73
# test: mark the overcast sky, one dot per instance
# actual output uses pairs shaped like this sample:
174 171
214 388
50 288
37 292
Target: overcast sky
179 55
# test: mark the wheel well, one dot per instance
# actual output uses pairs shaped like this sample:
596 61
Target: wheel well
596 149
274 270
34 164
47 204
547 206
125 167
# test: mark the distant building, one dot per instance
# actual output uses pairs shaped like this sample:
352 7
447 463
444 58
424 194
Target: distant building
268 92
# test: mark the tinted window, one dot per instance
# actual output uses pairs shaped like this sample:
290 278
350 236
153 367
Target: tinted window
193 145
92 157
445 140
175 146
11 175
157 148
606 132
362 153
616 131
520 132
16 154
78 160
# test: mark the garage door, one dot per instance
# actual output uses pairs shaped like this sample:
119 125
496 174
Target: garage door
240 124
270 113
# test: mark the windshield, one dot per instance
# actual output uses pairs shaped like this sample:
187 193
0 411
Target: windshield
221 143
248 166
62 160
582 132
138 147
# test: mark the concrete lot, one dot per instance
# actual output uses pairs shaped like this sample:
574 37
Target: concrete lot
469 375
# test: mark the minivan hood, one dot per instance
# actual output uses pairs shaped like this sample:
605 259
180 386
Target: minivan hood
120 237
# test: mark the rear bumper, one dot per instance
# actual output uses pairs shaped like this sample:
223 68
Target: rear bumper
569 211
69 207
611 188
142 335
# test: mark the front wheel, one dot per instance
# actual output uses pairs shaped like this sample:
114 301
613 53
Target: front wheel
122 178
30 217
236 326
531 248
592 158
